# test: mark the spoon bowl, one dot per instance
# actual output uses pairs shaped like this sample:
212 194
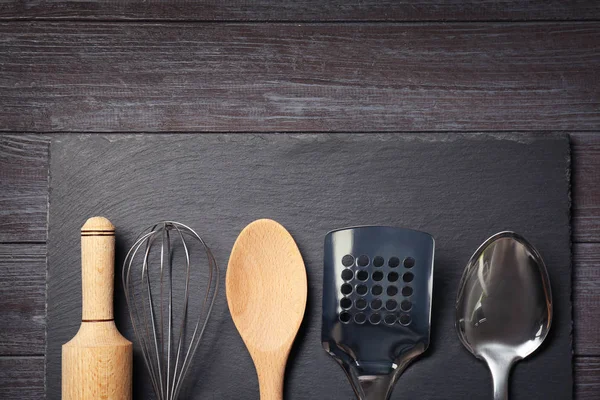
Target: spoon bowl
504 305
266 293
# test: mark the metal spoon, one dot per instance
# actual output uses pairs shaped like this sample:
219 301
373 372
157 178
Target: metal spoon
504 305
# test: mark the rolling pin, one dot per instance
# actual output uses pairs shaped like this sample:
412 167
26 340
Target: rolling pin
97 362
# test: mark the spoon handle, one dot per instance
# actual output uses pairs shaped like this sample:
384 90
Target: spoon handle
500 370
271 371
272 390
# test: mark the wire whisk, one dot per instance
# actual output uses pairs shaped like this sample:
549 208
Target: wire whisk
166 287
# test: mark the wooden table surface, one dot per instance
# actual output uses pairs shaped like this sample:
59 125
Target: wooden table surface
149 66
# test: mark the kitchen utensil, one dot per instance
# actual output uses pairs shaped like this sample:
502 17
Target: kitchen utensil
377 288
97 362
266 292
504 305
170 296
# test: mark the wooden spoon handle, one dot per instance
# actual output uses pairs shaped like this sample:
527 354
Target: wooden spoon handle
271 373
97 269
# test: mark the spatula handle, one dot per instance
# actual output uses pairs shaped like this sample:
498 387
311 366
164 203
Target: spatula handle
97 269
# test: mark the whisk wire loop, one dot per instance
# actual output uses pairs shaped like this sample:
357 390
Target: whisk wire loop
168 358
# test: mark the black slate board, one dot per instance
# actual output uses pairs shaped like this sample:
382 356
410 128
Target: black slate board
460 188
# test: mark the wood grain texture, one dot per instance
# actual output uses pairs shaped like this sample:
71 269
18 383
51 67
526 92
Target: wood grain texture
302 10
586 187
586 298
97 269
22 378
23 186
98 362
587 378
266 293
299 77
22 299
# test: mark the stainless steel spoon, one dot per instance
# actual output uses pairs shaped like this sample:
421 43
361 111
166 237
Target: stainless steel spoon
504 305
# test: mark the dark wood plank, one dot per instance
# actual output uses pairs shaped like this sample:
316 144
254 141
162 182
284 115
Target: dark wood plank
586 187
22 299
23 187
305 10
586 298
299 77
22 378
587 378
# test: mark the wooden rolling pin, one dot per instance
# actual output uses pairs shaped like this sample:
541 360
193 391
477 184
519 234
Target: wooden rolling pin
97 362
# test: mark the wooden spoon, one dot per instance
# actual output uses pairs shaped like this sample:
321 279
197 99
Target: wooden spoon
266 293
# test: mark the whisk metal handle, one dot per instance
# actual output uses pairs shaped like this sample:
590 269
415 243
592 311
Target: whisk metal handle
97 269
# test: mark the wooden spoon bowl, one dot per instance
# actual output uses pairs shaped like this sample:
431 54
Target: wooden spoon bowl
266 292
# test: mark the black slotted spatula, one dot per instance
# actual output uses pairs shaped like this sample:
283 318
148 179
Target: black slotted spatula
377 288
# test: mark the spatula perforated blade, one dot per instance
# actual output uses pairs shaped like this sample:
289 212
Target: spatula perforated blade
377 288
